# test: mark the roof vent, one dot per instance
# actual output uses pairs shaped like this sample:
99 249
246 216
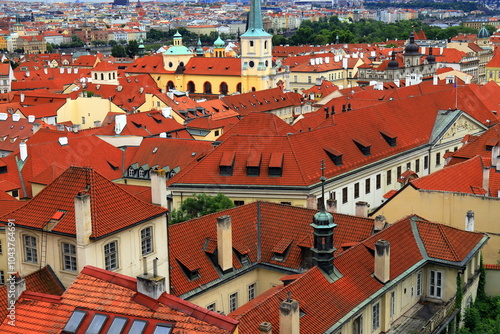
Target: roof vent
63 141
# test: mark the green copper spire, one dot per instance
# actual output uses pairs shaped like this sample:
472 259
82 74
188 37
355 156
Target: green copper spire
199 49
255 27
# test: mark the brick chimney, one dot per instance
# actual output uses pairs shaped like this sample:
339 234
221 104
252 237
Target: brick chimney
224 243
362 209
159 187
83 222
151 285
382 270
265 328
289 316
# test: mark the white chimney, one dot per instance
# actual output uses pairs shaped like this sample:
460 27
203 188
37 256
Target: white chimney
166 112
345 62
23 151
31 118
495 152
382 270
336 58
151 285
224 243
435 80
327 60
159 187
312 61
16 117
170 95
3 116
63 141
21 97
45 70
373 54
83 223
378 223
362 209
75 70
469 221
61 70
120 122
163 135
486 179
289 316
467 79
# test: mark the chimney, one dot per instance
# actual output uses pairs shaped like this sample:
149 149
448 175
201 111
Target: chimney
16 117
327 114
319 81
3 116
311 202
23 151
21 97
166 112
31 118
289 316
159 187
36 127
151 285
486 179
469 221
76 128
224 243
120 122
83 219
60 127
495 153
362 209
435 80
265 328
331 205
16 285
382 270
379 223
97 124
63 141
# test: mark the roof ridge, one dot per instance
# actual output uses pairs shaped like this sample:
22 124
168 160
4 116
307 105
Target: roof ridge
447 241
296 160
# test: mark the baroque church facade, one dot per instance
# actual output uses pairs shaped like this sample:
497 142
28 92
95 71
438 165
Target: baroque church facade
180 69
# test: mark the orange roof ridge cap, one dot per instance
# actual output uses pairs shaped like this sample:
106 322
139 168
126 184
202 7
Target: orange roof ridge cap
111 277
42 297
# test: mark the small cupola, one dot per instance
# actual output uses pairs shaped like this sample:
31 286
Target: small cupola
199 49
219 48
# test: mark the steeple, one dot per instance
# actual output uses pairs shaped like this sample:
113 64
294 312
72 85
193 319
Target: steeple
323 226
141 48
219 48
199 49
255 27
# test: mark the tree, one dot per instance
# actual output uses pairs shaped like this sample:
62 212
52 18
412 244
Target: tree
118 51
200 205
132 48
50 48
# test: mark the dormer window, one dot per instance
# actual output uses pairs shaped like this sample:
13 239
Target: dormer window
389 138
363 146
334 155
226 164
131 172
281 250
276 164
189 270
141 172
253 164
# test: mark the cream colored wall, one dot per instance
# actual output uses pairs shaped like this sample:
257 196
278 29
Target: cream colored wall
129 252
36 188
264 279
450 209
492 287
92 108
210 136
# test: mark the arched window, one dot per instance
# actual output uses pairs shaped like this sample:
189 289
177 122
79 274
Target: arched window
109 76
238 87
170 85
253 89
265 45
207 88
223 88
102 76
191 87
95 76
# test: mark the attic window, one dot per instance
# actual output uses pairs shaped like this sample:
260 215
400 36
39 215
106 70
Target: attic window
210 67
191 273
281 250
276 164
389 138
226 164
334 155
113 166
253 164
363 146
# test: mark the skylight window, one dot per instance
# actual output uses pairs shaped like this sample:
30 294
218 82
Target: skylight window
117 325
137 327
162 329
97 323
74 321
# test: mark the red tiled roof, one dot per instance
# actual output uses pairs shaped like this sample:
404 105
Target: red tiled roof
316 295
213 66
49 314
279 225
112 208
491 266
256 123
43 280
262 101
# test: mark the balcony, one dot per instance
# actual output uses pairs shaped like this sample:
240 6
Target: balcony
425 318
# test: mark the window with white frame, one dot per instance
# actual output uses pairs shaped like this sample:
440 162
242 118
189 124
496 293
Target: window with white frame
2 277
69 257
147 240
375 316
111 255
436 284
357 325
251 291
233 301
30 250
211 307
419 283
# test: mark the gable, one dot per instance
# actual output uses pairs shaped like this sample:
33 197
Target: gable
458 128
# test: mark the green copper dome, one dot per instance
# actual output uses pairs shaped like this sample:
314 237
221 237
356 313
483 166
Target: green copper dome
219 43
483 33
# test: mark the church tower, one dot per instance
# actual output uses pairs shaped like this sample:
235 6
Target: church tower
412 55
483 38
219 48
256 52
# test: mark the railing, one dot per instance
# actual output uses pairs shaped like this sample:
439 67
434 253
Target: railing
434 322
